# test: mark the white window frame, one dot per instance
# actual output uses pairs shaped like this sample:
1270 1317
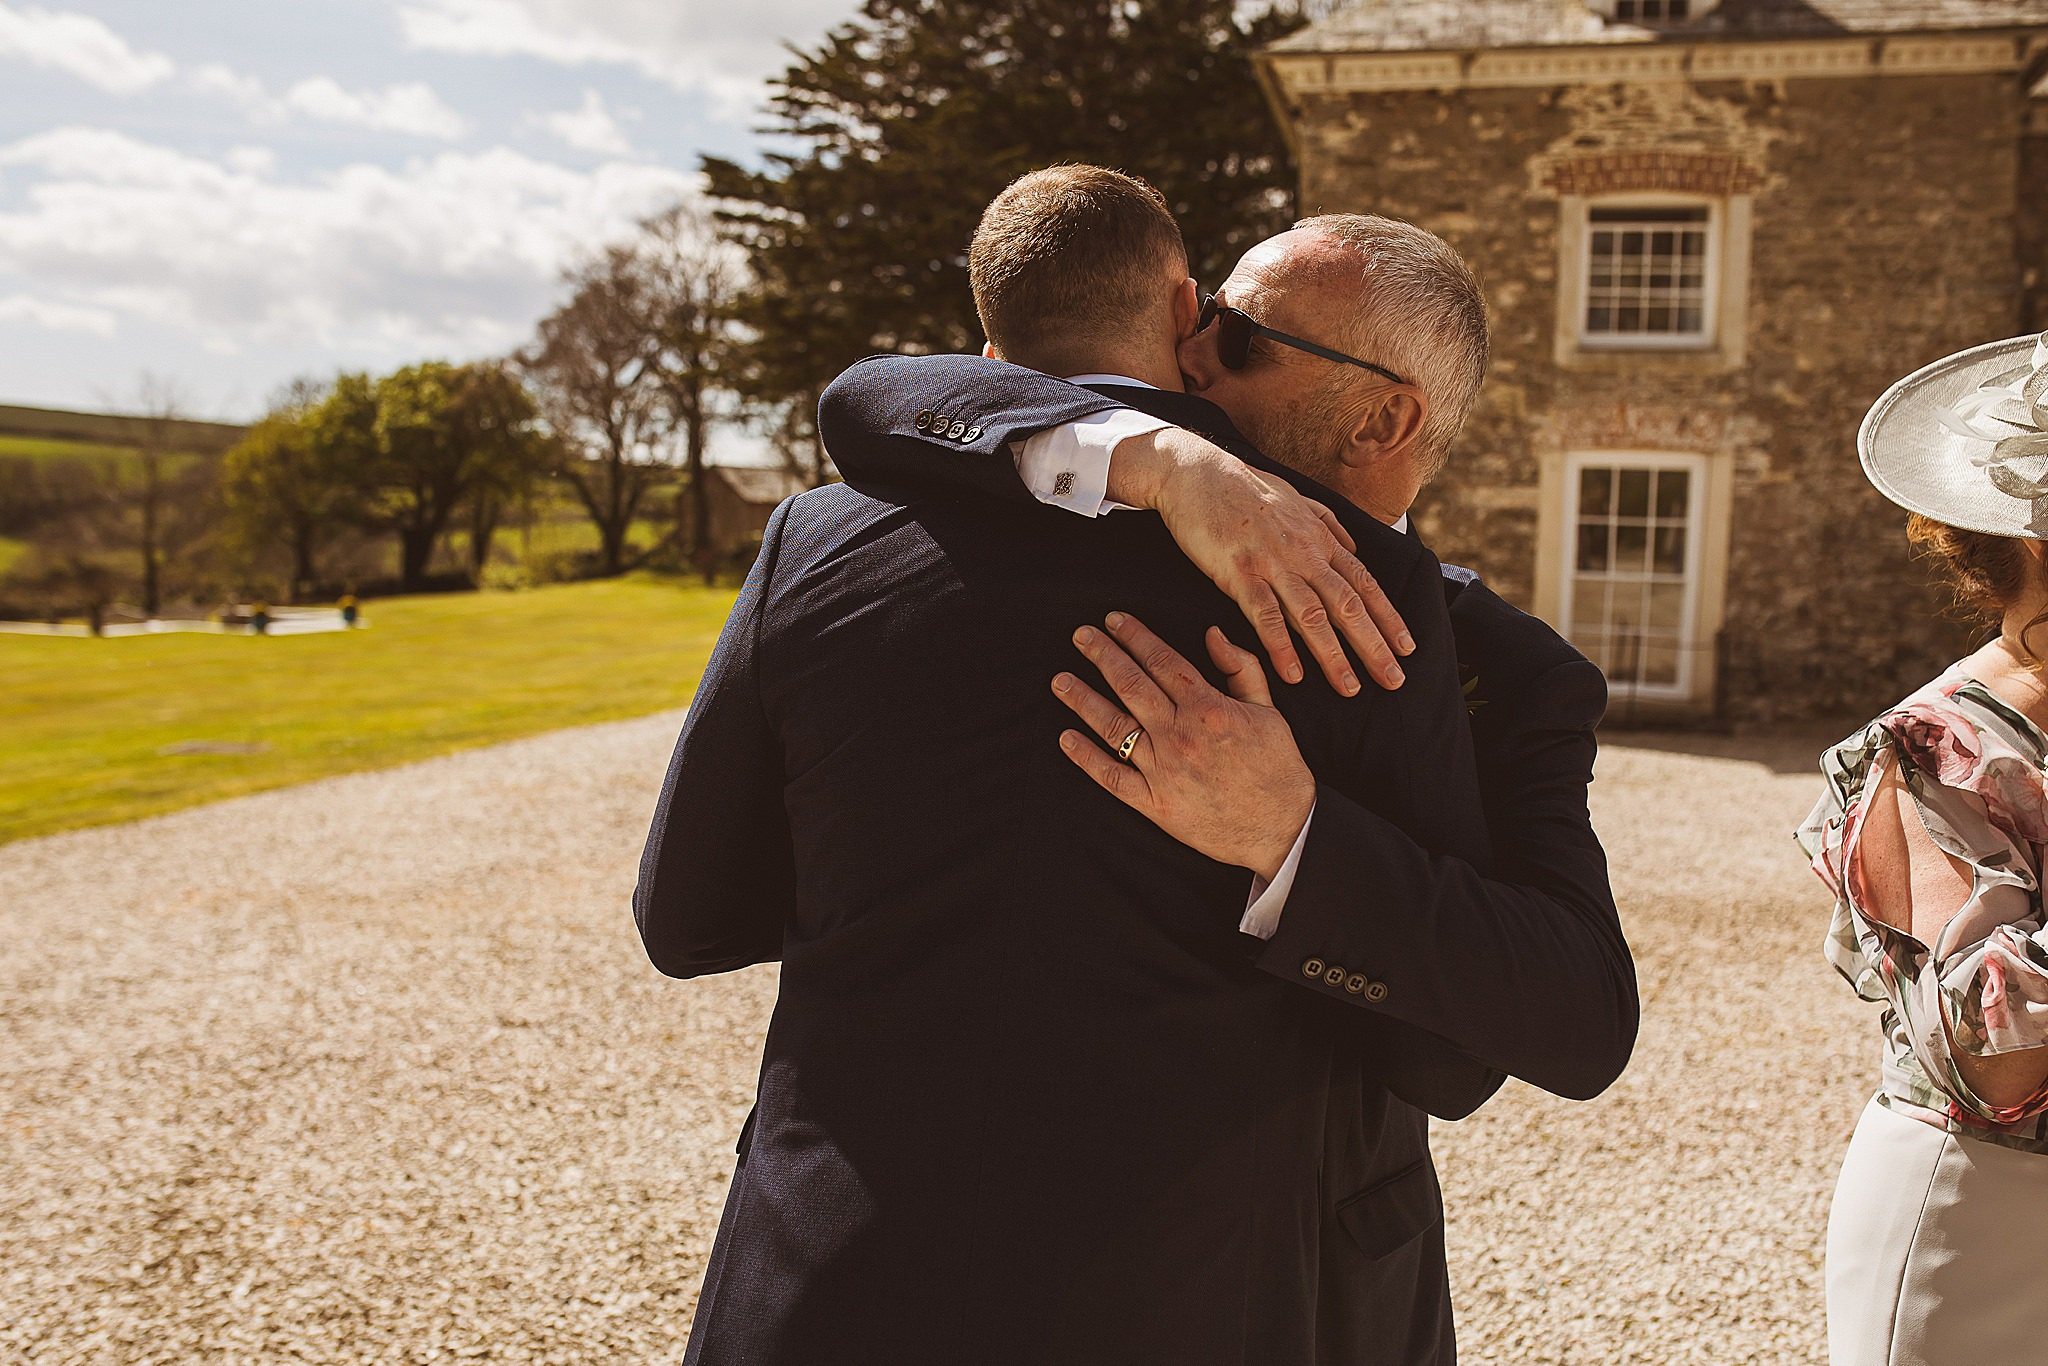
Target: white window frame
1690 648
1707 338
1690 14
1606 9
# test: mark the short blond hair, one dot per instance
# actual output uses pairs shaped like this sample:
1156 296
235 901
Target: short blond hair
1071 256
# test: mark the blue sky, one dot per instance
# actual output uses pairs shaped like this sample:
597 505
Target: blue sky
227 194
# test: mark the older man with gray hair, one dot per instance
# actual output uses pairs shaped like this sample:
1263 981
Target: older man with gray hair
1350 349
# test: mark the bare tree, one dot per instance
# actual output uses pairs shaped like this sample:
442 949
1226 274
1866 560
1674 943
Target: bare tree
792 430
159 408
691 280
160 499
592 371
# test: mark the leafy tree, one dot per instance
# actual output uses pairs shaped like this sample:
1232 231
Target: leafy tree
421 442
281 484
909 118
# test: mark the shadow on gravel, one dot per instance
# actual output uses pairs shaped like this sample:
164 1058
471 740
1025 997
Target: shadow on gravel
1781 749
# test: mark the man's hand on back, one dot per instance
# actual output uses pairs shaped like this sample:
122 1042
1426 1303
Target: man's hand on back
1282 557
1220 772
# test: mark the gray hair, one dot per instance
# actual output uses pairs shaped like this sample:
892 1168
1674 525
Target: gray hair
1423 313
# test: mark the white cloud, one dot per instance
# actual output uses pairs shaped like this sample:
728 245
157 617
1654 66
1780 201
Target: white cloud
411 108
80 46
728 50
54 315
589 127
452 254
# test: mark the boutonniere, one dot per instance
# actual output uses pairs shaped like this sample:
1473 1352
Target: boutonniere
1473 701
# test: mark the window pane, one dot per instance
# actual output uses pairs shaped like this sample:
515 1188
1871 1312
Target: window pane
1595 485
1599 320
1642 213
1670 550
1635 493
1629 320
1667 607
1603 244
1659 319
1672 488
1658 662
1691 320
1592 545
1631 548
1589 609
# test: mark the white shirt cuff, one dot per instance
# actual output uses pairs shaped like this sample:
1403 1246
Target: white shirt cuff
1262 916
1068 466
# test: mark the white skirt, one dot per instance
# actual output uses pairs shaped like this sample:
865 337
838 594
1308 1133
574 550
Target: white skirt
1937 1249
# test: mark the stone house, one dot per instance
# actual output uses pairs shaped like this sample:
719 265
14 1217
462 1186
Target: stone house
1711 234
742 499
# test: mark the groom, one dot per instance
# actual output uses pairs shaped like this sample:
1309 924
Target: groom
1027 1096
1350 348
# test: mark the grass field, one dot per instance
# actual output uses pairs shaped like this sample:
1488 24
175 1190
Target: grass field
84 724
45 448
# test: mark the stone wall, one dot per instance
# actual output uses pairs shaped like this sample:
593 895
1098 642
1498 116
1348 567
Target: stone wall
1884 236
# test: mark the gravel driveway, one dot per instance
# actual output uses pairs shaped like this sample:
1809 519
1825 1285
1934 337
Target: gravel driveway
373 1070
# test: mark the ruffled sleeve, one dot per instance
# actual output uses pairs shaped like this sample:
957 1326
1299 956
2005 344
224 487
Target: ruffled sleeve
1973 770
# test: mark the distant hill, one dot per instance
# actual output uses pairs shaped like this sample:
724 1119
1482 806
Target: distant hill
49 431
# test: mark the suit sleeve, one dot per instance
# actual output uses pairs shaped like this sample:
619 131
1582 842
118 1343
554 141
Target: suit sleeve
869 421
717 879
1521 965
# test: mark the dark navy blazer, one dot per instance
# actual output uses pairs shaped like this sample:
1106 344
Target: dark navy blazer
1527 966
1028 1096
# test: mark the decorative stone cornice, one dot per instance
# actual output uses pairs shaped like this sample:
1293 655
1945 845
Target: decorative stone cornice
1295 75
1702 173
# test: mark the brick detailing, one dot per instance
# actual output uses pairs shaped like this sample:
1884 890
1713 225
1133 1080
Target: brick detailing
1702 173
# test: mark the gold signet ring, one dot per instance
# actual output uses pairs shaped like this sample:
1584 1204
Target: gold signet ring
1123 751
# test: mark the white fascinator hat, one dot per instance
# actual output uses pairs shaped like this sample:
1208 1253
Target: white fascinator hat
1965 440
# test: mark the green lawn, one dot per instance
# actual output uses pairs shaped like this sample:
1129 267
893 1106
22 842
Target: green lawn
83 723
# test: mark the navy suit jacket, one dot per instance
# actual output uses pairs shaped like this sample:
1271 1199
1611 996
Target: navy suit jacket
1527 967
1027 1095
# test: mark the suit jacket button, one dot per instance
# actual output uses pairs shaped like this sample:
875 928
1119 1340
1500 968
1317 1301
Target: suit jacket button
924 420
973 434
1312 968
1376 992
1334 975
956 429
1355 983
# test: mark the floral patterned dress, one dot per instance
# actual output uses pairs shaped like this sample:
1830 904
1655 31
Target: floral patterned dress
1974 768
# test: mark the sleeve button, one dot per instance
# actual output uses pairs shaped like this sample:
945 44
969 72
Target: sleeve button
1312 968
1376 992
1334 975
973 434
1355 983
924 420
956 429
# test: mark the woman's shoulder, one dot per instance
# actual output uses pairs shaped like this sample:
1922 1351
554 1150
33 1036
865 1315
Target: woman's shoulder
1955 733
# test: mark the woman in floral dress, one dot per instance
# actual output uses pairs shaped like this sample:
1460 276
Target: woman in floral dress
1932 835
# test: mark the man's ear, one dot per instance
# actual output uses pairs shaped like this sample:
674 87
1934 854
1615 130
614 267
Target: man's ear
1388 425
1187 307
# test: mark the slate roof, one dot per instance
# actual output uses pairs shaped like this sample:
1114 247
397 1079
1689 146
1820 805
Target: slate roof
1467 25
761 485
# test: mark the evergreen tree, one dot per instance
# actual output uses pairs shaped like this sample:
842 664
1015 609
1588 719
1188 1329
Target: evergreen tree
908 120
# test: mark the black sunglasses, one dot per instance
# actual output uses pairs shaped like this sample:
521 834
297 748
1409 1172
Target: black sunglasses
1234 340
